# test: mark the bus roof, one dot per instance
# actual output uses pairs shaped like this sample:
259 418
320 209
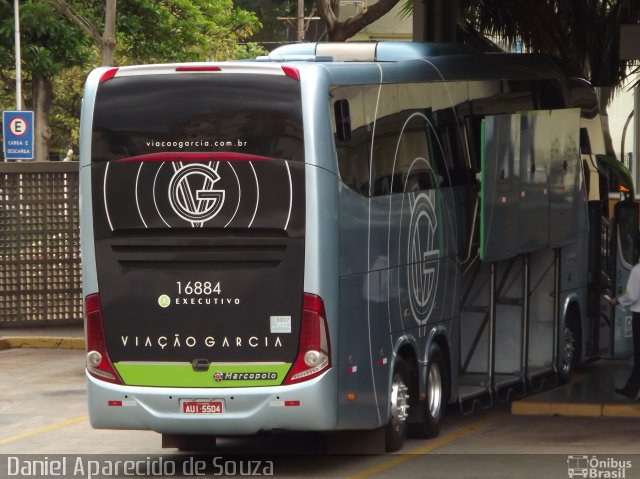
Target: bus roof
453 62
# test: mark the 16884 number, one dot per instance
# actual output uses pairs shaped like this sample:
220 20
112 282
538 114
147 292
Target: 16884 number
198 288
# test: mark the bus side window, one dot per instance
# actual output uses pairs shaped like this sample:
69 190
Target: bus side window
585 142
517 96
387 176
343 119
449 139
417 153
473 125
403 150
455 95
352 137
548 94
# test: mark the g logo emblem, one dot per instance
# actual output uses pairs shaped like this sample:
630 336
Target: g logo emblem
422 258
191 195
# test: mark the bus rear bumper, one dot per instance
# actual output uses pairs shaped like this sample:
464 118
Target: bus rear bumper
308 406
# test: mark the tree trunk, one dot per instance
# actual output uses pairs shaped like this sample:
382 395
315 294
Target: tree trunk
340 31
109 33
441 20
42 98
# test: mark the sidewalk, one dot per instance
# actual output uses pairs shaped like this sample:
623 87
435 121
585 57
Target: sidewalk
43 337
590 393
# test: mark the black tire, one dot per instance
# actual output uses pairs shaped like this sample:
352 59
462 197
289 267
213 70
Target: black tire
569 354
434 407
189 442
396 429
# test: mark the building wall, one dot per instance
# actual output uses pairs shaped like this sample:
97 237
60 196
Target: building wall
390 27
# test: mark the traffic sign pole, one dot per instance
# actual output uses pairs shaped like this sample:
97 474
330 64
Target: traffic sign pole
16 10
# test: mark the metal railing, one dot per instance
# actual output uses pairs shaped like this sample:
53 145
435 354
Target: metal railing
40 271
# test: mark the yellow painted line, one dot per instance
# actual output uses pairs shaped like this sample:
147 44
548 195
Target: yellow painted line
42 430
414 453
549 408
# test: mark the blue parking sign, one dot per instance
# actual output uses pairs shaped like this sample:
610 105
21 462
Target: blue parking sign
17 130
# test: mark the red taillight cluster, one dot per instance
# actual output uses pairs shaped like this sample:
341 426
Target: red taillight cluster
108 75
98 363
314 351
291 72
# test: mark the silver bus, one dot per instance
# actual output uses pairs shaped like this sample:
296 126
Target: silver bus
337 237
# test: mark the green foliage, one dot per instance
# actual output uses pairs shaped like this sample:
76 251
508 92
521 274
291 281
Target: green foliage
582 34
180 30
65 111
147 31
274 32
406 10
46 41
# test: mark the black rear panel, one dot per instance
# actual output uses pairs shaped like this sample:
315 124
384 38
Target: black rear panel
198 201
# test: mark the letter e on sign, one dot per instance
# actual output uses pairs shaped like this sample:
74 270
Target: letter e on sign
18 126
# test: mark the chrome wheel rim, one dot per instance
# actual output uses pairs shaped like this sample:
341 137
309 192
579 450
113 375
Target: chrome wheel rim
568 351
435 390
399 402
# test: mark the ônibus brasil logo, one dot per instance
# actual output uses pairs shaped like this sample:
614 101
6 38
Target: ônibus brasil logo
191 192
593 467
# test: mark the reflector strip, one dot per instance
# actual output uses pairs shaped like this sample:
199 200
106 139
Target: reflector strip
185 157
284 403
126 403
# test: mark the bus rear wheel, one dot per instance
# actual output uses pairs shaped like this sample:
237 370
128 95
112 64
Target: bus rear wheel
433 408
396 429
570 345
567 360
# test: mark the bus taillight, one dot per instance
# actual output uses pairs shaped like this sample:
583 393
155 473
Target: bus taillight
314 352
98 362
108 75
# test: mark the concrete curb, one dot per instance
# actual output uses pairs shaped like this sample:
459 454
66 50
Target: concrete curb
41 342
544 408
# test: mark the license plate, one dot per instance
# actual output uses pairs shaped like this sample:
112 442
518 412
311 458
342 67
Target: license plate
191 406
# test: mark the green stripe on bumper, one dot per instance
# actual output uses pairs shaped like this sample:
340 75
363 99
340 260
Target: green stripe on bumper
182 375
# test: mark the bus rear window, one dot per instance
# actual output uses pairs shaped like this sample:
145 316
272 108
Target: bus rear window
252 114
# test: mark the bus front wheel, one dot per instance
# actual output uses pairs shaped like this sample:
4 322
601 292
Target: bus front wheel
396 430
